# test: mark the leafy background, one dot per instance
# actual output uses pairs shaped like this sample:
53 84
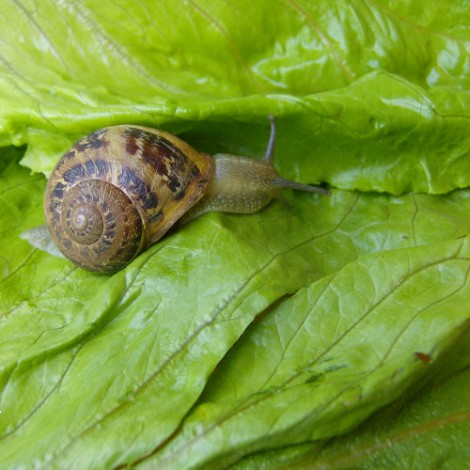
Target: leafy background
338 336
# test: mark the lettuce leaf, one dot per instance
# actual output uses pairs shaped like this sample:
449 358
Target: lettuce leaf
143 348
315 367
372 96
404 432
248 340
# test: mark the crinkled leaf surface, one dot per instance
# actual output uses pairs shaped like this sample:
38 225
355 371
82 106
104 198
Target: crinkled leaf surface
322 360
196 354
374 94
426 428
143 358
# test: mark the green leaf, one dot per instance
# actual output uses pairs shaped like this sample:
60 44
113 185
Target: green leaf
157 361
402 434
326 359
143 341
372 96
42 298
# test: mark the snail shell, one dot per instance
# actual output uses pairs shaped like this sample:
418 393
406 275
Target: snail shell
118 190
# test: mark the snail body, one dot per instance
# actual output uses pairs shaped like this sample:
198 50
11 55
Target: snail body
118 190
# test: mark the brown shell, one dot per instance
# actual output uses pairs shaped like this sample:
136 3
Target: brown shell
121 188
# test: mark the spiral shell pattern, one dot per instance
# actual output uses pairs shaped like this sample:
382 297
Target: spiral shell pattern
118 190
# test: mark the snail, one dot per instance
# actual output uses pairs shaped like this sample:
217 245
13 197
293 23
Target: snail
118 190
